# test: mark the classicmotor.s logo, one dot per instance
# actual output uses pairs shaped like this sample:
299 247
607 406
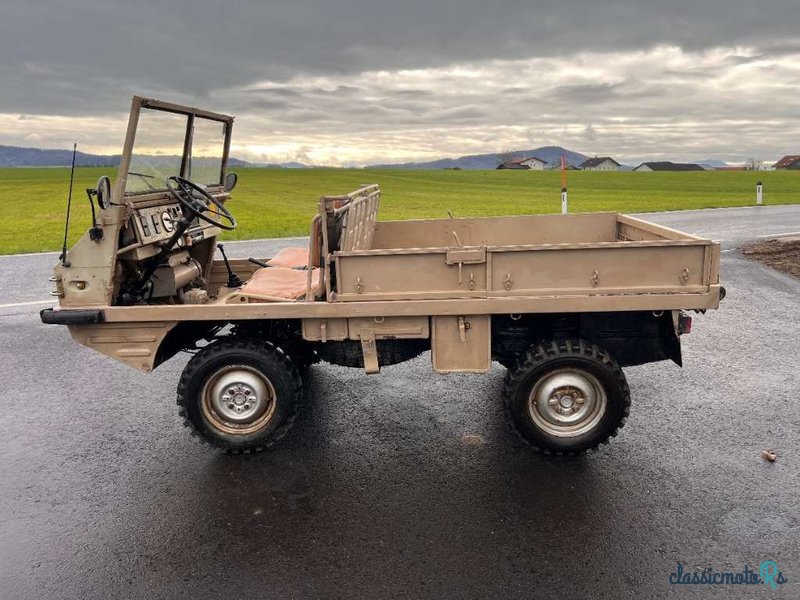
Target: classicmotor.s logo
767 573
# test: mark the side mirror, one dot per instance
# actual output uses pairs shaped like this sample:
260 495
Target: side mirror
104 192
231 179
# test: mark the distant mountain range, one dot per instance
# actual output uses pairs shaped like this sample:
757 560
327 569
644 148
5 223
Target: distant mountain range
549 154
15 156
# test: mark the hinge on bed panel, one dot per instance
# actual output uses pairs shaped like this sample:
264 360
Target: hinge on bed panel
595 278
508 282
684 276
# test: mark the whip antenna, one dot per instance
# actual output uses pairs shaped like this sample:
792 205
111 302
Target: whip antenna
63 256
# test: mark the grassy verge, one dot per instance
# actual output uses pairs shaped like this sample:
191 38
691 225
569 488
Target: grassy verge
272 203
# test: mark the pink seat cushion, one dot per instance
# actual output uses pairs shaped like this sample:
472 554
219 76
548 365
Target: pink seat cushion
277 282
291 258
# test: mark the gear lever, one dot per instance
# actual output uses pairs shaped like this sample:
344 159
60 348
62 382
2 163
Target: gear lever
233 278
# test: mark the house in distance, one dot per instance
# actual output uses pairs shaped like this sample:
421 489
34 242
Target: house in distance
668 166
789 162
532 163
600 163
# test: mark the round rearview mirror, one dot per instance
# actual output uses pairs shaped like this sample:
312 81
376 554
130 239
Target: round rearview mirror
104 192
230 181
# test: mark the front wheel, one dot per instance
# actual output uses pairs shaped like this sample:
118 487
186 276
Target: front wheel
566 396
239 395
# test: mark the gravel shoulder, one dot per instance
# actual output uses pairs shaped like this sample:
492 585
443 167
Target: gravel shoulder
782 254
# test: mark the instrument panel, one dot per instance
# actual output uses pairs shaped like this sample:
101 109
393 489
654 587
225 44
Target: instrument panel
156 223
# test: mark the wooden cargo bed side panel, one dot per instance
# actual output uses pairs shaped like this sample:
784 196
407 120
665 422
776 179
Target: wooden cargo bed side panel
406 276
604 270
631 233
633 229
712 261
497 231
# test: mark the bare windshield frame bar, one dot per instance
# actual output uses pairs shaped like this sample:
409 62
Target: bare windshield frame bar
184 110
187 147
137 104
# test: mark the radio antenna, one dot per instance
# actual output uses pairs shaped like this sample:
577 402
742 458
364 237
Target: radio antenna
63 256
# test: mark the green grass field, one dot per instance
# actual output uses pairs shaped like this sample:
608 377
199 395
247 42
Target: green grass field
272 202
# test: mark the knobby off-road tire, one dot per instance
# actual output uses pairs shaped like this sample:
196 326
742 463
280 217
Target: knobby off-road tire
567 396
240 395
302 354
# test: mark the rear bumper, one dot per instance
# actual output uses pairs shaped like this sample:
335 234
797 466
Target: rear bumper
78 316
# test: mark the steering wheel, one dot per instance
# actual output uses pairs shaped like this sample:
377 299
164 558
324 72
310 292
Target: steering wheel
196 200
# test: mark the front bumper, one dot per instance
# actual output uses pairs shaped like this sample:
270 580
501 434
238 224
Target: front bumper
77 316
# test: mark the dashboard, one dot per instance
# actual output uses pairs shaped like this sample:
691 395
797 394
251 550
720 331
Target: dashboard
156 223
152 221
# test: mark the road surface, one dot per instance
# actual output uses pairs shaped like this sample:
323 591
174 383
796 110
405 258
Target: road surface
409 484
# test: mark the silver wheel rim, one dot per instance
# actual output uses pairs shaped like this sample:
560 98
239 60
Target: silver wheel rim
238 399
567 402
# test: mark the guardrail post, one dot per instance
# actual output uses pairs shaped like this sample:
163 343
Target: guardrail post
759 194
564 201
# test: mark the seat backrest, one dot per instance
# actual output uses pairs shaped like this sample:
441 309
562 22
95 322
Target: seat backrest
349 220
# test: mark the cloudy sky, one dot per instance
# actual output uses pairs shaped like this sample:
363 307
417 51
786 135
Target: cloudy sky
352 82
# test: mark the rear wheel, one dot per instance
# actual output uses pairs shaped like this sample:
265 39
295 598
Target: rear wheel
240 395
567 396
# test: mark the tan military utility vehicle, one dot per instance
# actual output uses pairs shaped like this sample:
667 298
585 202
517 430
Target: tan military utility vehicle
562 301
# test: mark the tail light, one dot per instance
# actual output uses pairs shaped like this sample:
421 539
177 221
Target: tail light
684 324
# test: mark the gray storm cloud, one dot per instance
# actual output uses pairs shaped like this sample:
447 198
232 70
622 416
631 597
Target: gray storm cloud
360 80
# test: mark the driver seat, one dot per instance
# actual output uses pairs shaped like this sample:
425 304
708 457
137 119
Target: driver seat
286 276
290 258
279 284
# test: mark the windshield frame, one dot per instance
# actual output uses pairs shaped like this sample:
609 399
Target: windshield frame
137 105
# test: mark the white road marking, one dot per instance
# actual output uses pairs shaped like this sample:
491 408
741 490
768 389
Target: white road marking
16 304
774 235
223 242
31 254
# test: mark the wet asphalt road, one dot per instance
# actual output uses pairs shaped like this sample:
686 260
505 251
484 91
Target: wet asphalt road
408 484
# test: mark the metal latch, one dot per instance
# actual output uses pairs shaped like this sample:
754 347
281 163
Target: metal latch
465 256
463 327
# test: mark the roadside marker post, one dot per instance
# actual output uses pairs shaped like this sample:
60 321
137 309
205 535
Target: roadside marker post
564 201
564 208
759 194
